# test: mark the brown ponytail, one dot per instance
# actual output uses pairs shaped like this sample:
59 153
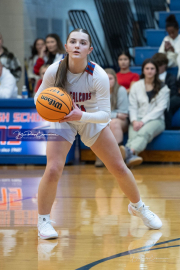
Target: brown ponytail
61 74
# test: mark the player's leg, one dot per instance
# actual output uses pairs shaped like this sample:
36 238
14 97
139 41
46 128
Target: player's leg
56 157
118 127
106 148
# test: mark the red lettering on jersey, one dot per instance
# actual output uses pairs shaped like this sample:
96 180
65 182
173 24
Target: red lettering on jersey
80 97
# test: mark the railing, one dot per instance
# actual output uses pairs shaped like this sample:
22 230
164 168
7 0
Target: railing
145 12
80 19
120 28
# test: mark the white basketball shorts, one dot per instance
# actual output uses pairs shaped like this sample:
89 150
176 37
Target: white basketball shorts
89 132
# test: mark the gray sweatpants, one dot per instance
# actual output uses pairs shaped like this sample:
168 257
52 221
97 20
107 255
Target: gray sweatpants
138 140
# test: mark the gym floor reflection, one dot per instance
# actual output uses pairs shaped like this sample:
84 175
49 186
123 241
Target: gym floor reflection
95 229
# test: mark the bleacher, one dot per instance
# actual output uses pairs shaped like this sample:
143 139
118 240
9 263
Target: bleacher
166 146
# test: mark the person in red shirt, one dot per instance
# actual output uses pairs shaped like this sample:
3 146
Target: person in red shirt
125 77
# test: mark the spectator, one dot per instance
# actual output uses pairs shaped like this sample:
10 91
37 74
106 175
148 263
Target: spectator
42 70
171 43
9 60
170 80
125 77
54 51
37 48
148 100
8 88
119 110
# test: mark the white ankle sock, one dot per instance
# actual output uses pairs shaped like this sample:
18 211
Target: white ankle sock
42 218
138 204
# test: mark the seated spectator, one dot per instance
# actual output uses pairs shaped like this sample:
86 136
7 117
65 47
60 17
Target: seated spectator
8 88
42 70
170 80
37 48
54 51
125 77
119 110
148 99
10 61
171 43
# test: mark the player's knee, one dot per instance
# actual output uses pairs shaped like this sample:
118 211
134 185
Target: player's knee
54 171
120 169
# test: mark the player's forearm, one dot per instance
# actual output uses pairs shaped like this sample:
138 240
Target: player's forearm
96 117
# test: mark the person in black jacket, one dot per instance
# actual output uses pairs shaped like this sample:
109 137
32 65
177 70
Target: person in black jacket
170 80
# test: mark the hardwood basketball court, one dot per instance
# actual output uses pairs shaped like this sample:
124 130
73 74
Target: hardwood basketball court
95 230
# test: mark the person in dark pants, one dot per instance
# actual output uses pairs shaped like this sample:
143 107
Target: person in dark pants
170 80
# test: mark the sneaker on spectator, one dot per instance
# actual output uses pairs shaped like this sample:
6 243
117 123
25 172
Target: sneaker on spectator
99 163
130 158
46 230
150 219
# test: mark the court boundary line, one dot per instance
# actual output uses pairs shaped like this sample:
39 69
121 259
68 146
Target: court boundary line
125 253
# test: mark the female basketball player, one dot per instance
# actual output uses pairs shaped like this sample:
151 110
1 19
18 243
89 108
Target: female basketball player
88 84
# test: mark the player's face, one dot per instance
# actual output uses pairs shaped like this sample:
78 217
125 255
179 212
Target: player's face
78 45
111 80
123 61
149 71
173 32
51 44
39 44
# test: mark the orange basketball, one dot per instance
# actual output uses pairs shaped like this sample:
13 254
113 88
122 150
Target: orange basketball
53 104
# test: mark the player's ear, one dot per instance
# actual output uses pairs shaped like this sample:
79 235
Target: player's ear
65 45
90 50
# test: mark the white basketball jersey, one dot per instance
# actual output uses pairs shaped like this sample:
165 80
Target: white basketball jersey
90 89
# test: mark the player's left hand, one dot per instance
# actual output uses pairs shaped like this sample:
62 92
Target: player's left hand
74 115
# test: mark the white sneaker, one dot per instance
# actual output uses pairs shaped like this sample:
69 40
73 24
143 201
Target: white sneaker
150 219
46 230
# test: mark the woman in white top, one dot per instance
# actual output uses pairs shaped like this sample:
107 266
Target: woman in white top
148 99
119 110
8 88
171 43
88 84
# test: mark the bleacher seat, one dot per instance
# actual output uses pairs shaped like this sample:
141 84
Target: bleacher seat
142 53
168 140
137 69
155 37
163 15
175 5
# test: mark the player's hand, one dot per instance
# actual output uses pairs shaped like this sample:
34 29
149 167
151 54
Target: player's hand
74 115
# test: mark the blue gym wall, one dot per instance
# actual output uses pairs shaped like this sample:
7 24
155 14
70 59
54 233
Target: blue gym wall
43 16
